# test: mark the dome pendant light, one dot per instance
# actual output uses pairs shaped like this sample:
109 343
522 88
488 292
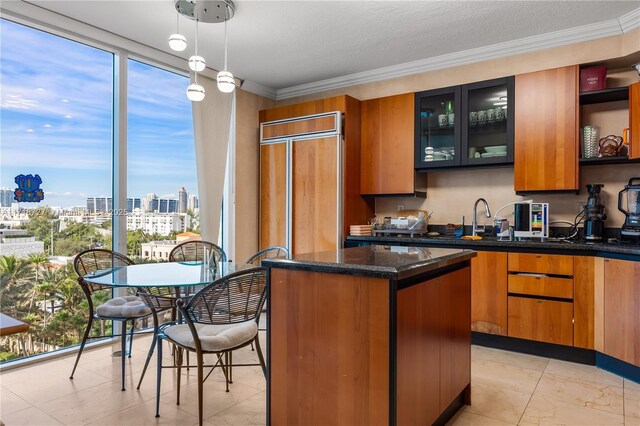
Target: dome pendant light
226 83
177 41
197 63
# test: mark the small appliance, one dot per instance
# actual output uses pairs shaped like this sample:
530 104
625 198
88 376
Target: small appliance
501 225
629 204
594 214
531 220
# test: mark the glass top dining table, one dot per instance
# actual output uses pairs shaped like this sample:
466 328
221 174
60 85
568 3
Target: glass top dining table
171 274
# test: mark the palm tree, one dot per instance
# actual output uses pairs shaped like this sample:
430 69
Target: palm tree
38 261
15 276
48 288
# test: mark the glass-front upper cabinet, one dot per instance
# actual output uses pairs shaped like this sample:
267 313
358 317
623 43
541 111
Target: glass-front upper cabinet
437 128
487 132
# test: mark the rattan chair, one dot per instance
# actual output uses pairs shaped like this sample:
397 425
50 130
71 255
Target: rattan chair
124 309
195 250
269 253
218 320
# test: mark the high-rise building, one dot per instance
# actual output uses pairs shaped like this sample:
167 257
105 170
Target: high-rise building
133 203
166 205
99 205
182 200
149 203
6 197
193 202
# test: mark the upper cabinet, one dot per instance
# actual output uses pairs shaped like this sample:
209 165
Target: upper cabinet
546 130
634 121
468 125
386 147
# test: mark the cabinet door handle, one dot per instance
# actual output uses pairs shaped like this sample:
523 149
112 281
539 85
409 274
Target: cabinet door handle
538 257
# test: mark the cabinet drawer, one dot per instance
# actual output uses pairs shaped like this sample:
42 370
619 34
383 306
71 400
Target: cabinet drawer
302 126
541 263
542 320
541 285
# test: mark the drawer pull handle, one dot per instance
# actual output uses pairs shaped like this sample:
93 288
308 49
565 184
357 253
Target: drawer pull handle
538 257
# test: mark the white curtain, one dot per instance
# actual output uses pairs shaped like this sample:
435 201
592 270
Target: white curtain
211 119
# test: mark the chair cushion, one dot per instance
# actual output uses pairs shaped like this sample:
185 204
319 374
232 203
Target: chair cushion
214 338
123 307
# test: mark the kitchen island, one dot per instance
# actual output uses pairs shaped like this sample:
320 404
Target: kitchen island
369 335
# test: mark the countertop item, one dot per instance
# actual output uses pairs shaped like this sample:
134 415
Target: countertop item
375 261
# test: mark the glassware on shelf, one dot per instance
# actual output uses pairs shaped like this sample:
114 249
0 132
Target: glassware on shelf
590 138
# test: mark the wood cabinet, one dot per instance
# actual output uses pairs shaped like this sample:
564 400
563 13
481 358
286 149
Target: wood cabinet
634 121
489 293
273 198
584 301
622 310
546 130
542 320
541 263
387 146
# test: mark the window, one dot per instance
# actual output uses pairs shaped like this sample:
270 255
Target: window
56 99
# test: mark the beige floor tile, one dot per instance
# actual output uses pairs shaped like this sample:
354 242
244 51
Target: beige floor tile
530 362
29 416
48 380
581 393
464 417
250 376
145 414
583 372
92 404
632 403
214 396
505 376
493 402
10 402
544 410
631 421
251 411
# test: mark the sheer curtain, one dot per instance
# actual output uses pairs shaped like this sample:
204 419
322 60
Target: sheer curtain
211 122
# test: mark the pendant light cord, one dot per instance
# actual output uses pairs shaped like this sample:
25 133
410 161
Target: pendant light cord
196 44
225 41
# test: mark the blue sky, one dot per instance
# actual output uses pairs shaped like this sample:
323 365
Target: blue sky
55 120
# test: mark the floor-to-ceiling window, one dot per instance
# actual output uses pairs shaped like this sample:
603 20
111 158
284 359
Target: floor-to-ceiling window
56 100
162 192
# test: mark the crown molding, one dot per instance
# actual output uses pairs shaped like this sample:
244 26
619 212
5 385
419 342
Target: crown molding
630 21
259 89
574 35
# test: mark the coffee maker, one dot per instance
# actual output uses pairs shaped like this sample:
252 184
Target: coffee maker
630 206
594 214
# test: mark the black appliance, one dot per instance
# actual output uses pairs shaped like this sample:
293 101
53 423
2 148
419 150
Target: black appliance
594 214
629 204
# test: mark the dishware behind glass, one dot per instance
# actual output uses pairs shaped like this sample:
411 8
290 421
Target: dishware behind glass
473 118
499 112
491 115
442 120
482 117
451 118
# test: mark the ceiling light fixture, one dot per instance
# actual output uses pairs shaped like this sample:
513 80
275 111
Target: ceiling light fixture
177 41
207 11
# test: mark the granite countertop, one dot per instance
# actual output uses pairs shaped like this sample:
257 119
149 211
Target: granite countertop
376 261
581 248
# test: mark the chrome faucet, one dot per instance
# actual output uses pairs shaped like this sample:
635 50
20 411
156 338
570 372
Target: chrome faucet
487 213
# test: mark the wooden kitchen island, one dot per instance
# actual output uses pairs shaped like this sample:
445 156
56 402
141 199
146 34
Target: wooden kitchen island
369 336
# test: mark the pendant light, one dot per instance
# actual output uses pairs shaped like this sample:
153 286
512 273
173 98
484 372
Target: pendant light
177 41
195 92
226 83
197 63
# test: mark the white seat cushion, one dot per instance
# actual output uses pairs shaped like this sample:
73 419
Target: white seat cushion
214 338
123 307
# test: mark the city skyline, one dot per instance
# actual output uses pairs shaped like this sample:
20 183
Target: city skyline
56 107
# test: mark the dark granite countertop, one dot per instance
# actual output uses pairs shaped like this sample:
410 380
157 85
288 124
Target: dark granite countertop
556 247
376 261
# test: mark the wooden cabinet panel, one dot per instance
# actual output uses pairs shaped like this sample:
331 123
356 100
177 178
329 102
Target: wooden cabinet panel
541 285
273 190
489 293
583 301
622 310
314 192
299 127
634 120
541 263
542 320
348 318
387 145
546 130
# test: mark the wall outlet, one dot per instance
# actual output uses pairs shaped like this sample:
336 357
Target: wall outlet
400 207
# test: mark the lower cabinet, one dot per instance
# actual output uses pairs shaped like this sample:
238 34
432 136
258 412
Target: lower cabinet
622 310
541 319
489 292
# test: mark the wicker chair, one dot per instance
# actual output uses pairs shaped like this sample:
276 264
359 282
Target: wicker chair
269 253
195 250
124 309
219 319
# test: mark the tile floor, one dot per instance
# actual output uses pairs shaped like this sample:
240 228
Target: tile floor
507 389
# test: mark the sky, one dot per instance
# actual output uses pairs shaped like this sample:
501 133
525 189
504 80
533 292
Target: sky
56 109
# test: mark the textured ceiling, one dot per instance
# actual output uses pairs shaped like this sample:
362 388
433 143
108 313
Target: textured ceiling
285 43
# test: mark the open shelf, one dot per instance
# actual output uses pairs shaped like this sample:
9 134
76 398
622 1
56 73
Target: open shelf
607 160
606 95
